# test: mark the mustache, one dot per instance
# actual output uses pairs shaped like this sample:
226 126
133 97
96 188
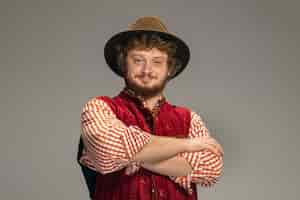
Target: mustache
143 75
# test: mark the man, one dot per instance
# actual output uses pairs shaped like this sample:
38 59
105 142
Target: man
139 145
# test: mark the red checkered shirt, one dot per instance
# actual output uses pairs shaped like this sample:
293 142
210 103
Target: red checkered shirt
110 145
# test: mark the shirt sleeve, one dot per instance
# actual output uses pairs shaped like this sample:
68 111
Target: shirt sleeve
109 143
206 166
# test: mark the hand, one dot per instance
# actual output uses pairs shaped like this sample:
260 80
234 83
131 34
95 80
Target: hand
132 168
209 143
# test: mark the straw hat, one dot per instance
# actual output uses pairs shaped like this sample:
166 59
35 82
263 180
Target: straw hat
145 25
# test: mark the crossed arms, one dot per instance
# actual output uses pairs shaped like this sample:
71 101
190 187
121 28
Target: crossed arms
110 145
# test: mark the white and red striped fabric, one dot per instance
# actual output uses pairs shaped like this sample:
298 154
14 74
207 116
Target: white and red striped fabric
110 145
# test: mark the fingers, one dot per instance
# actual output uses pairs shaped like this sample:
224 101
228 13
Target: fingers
219 147
208 143
214 149
131 169
122 162
214 146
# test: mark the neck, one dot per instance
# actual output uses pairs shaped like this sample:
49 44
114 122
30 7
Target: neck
150 102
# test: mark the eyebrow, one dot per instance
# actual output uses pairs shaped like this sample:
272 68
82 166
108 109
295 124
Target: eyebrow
136 55
156 57
159 57
141 55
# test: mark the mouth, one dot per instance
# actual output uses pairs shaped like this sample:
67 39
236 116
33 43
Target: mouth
145 79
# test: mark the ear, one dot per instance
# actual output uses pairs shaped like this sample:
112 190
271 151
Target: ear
171 72
169 75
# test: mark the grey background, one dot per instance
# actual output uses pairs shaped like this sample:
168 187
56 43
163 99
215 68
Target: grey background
242 78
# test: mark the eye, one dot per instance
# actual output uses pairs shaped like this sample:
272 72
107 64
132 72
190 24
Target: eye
137 60
158 62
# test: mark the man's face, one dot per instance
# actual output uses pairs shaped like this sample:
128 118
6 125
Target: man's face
146 71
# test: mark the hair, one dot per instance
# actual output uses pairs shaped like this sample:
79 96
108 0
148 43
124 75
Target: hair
148 41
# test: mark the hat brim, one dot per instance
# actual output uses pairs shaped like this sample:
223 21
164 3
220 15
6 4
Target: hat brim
111 49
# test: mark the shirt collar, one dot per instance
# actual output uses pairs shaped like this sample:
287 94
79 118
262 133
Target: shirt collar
141 100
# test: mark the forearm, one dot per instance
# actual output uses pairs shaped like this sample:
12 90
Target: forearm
111 145
207 167
161 149
179 166
176 166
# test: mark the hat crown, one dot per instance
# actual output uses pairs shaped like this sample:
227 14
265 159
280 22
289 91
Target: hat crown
149 24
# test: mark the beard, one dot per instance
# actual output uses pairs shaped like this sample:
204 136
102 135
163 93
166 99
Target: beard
146 91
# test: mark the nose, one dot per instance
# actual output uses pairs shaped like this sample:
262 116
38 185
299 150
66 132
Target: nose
146 68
